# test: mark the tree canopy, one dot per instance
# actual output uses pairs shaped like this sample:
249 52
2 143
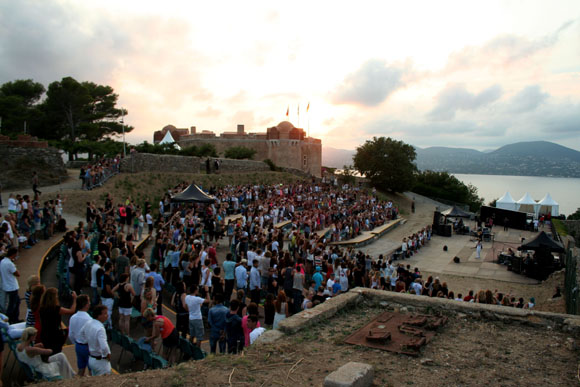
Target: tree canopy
18 106
442 185
387 163
71 111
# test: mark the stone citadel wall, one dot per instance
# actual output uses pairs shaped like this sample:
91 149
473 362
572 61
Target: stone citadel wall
20 161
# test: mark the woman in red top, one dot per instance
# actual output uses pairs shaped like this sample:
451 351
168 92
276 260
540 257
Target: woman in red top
164 328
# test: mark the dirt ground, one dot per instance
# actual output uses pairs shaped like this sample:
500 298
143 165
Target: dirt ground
465 352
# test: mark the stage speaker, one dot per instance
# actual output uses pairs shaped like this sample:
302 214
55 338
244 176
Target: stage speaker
436 219
445 248
456 259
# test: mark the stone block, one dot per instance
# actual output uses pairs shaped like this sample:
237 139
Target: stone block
268 337
351 374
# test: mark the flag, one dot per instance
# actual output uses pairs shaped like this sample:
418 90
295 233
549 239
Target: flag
288 111
308 107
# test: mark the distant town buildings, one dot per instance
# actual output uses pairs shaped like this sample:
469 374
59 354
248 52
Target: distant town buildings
284 144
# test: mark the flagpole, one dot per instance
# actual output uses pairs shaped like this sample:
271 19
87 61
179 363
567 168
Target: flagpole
299 115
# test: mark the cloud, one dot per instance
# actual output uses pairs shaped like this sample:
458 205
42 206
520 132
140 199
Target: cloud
371 84
209 112
456 97
503 50
527 99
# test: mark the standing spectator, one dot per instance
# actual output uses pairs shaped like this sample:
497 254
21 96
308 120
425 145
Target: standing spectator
181 314
242 276
255 284
50 311
107 291
229 269
192 304
217 322
125 292
95 280
96 336
77 321
137 280
8 274
35 184
234 333
158 283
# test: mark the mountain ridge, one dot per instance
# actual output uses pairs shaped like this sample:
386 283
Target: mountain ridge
526 158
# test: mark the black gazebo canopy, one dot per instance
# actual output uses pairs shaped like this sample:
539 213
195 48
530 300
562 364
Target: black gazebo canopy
456 212
192 194
542 242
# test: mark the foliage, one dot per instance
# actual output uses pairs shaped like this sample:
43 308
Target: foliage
574 216
387 163
442 185
347 175
239 153
18 104
273 167
207 150
158 149
72 112
493 203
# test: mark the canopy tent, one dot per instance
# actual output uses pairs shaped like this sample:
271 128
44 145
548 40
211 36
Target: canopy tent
543 242
527 204
455 212
168 139
506 202
548 206
192 194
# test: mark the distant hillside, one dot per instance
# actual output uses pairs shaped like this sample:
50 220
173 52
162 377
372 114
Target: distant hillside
537 158
336 158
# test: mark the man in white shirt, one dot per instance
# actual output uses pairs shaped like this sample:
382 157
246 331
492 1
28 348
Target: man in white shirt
8 274
93 332
94 288
77 322
192 303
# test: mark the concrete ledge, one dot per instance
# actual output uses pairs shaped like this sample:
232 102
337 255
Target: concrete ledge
322 311
351 374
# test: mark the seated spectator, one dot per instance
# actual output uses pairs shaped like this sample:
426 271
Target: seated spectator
57 366
14 330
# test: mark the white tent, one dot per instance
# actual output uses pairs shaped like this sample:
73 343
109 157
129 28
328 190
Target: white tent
168 139
527 204
548 205
506 202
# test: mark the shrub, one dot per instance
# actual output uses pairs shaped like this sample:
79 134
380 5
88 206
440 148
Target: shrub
239 153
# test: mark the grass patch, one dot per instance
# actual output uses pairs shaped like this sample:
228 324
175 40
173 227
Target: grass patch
560 227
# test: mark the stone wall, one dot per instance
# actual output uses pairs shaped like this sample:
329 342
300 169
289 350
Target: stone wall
305 156
232 166
146 162
18 163
573 227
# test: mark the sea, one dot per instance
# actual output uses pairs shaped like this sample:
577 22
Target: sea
565 191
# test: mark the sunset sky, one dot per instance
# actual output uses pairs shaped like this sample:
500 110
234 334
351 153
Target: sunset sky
446 73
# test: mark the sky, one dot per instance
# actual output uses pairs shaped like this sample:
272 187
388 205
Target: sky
450 73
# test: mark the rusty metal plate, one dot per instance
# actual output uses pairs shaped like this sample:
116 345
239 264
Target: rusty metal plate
399 333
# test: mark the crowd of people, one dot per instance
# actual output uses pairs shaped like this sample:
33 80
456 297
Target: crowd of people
279 260
96 174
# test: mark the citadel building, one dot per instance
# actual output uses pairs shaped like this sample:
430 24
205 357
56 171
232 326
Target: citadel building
284 144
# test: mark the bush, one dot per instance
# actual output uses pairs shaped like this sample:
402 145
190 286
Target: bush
239 153
273 166
442 185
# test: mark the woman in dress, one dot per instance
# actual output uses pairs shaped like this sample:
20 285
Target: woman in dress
57 366
281 308
50 311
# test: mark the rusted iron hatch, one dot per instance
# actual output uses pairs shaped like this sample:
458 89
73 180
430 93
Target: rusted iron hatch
396 332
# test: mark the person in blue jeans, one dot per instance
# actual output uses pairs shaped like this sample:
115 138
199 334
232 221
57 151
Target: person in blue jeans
217 322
